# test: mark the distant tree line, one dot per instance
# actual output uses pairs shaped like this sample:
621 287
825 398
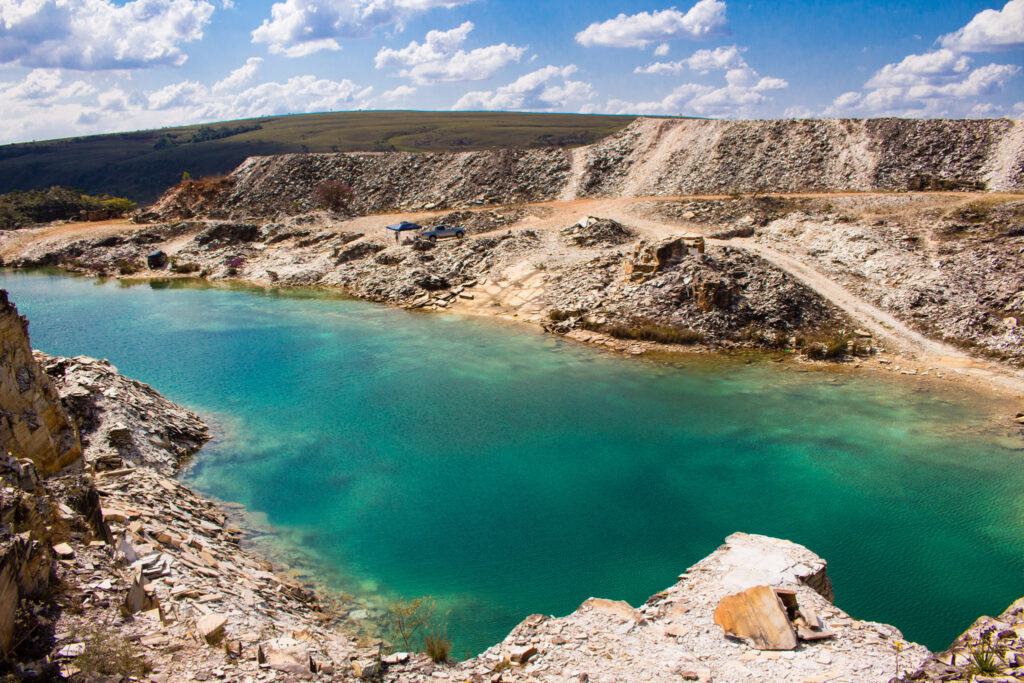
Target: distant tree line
204 134
21 208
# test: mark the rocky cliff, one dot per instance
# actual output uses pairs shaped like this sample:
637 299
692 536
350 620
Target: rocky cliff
651 157
33 423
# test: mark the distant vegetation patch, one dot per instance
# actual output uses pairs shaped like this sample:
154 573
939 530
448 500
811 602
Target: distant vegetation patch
204 134
141 165
19 209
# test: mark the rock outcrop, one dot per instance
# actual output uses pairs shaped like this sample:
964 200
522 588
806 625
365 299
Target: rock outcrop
673 636
990 650
33 423
121 420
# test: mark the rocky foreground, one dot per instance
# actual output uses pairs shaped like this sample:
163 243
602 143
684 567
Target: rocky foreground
109 568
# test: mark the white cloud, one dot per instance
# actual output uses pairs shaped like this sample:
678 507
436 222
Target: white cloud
99 34
703 61
938 83
990 30
440 59
703 20
661 50
744 90
239 76
546 89
917 69
982 81
402 92
46 104
300 27
44 86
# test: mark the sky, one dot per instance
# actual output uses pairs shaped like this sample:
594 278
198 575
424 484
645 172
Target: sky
78 67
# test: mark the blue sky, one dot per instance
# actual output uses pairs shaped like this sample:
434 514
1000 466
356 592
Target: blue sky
74 67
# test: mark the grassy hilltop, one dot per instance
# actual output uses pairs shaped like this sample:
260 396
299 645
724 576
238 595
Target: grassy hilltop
142 164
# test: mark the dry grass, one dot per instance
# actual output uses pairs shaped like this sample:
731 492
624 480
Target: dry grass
647 331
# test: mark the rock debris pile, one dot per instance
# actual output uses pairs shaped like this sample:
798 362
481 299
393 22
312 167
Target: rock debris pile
649 157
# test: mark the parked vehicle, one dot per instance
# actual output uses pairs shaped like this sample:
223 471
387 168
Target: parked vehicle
441 231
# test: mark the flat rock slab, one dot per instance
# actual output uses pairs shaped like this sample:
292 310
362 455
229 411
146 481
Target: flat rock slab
756 616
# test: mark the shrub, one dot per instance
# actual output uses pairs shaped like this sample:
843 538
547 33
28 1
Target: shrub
559 315
405 618
825 347
128 266
333 195
646 331
184 268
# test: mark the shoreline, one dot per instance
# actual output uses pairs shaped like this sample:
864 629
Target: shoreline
890 363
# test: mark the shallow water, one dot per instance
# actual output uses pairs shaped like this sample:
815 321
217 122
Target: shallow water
506 472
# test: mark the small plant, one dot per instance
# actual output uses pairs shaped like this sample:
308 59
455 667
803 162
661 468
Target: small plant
560 315
985 656
234 264
437 645
404 618
108 654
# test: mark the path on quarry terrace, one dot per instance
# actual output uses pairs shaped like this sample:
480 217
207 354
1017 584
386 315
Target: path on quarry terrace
883 325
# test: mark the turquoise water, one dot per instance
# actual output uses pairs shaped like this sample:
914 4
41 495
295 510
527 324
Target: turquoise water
506 472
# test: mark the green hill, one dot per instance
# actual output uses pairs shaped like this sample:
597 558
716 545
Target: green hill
142 164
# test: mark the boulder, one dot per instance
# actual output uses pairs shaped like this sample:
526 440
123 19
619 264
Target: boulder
211 627
157 260
757 616
654 257
285 654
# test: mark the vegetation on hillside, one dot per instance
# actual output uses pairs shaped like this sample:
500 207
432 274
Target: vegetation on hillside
141 165
18 208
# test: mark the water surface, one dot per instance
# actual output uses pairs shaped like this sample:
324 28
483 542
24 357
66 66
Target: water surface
506 472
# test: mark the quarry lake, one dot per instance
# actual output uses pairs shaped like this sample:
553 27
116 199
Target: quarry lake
506 472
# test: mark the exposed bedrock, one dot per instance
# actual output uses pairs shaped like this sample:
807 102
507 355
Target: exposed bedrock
33 424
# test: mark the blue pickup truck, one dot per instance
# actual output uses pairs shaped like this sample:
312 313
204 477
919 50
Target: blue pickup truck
441 231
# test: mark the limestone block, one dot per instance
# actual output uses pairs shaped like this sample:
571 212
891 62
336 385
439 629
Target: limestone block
757 616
